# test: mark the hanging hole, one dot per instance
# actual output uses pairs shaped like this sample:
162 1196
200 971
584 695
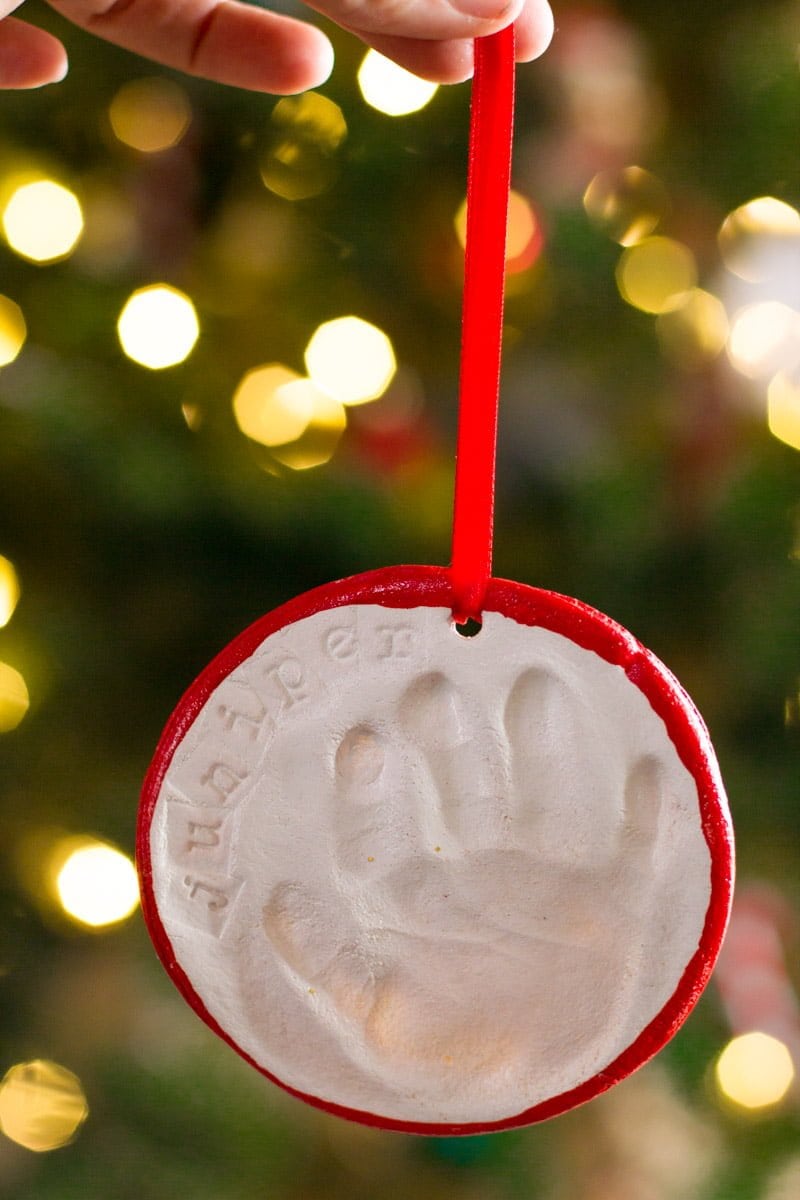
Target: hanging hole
469 628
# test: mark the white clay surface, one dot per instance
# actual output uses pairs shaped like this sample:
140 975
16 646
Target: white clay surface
436 878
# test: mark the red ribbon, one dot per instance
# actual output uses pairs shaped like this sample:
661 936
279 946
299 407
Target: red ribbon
488 180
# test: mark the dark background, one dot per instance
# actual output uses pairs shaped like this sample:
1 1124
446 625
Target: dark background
146 531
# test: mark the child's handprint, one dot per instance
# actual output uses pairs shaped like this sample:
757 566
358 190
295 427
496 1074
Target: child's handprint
495 869
435 878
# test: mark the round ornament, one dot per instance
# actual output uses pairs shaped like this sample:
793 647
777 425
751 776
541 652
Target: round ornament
435 883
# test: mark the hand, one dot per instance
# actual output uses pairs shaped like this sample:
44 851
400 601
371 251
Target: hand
239 44
490 907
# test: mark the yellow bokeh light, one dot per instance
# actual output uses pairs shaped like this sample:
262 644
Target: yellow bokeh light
266 410
13 330
312 116
96 883
750 237
391 89
150 114
627 204
14 698
42 1105
9 591
328 421
308 130
42 221
783 409
764 339
522 229
351 360
158 326
697 331
655 274
755 1071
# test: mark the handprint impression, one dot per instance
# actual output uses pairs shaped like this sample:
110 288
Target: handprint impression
505 884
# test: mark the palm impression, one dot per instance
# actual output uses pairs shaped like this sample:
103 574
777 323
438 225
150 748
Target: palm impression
432 882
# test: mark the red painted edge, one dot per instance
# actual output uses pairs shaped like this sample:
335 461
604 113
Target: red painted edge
431 587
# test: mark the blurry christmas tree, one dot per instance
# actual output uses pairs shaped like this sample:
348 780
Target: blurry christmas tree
165 242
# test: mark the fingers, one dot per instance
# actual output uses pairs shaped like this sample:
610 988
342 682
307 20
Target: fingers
377 822
544 726
644 796
295 923
447 59
533 30
428 20
565 774
439 720
223 40
439 62
29 57
248 47
364 795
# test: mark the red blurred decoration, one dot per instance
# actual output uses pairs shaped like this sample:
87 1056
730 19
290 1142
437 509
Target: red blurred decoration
751 975
392 448
609 109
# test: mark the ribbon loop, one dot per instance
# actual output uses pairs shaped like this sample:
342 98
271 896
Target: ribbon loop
488 181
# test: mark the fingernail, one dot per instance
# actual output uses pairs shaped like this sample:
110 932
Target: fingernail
485 10
326 63
57 74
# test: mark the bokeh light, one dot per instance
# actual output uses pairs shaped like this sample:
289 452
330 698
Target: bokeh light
523 234
751 238
755 1071
308 131
193 415
350 360
627 205
524 237
764 339
42 221
696 331
96 883
783 408
112 234
391 89
607 95
158 326
150 114
265 408
42 1105
328 421
250 242
9 590
14 698
655 274
314 116
13 330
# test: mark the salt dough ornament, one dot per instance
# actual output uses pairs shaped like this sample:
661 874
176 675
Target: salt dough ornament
427 882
